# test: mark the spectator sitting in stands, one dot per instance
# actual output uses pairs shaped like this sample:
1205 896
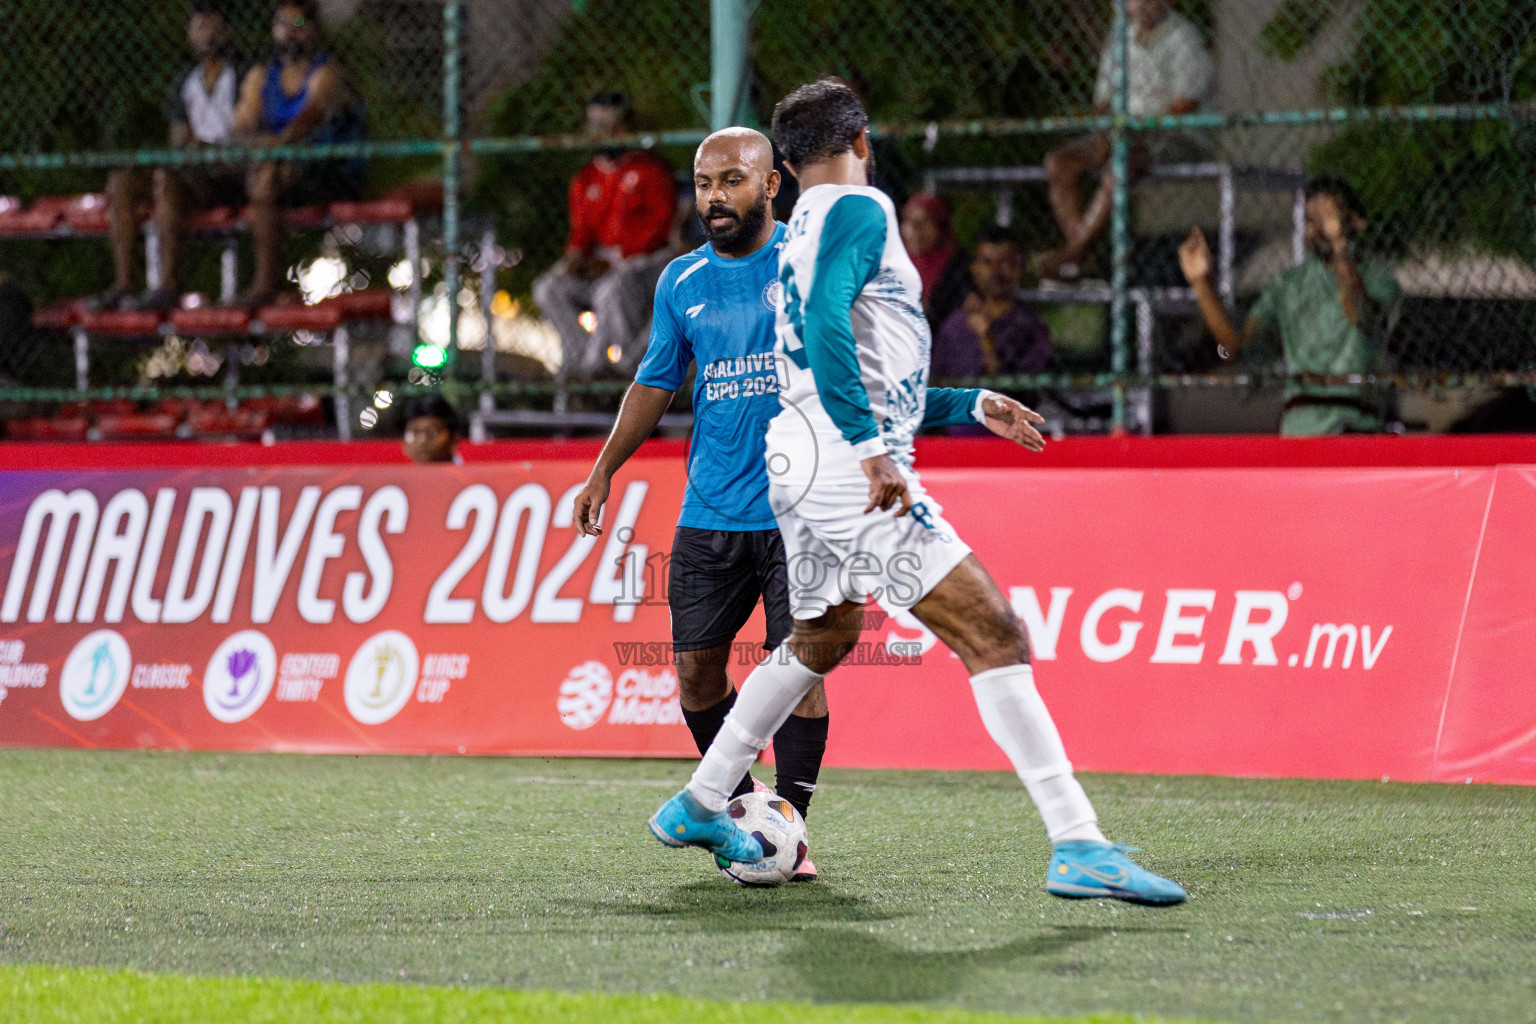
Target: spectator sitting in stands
432 431
200 108
301 97
1333 314
993 332
621 211
941 263
1170 71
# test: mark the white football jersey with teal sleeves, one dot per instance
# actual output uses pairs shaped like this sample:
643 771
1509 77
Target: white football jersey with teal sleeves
851 341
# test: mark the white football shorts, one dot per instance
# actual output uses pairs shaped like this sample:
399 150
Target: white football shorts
836 553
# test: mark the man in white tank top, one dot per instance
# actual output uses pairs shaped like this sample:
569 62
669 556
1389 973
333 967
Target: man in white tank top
200 109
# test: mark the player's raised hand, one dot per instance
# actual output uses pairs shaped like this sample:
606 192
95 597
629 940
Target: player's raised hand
886 485
1013 420
589 506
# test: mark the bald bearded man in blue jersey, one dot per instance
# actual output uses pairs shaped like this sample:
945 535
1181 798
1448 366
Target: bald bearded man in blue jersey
715 307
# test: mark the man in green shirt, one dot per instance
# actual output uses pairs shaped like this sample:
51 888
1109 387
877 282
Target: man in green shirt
1333 314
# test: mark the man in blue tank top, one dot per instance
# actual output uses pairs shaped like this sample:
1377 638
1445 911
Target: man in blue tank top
715 307
300 96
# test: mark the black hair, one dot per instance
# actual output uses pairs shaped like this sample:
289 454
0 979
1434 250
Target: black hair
1338 188
818 121
310 8
213 7
616 99
997 234
437 407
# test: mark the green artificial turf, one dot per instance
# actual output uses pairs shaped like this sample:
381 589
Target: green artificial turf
64 995
1310 900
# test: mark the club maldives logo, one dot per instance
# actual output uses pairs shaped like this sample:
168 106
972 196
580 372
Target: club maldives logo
381 677
95 675
239 676
585 695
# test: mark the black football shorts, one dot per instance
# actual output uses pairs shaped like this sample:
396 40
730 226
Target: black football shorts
714 580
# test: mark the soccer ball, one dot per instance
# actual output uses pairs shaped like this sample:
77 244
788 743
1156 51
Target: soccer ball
781 830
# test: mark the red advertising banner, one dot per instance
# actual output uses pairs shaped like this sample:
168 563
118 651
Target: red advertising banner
1312 622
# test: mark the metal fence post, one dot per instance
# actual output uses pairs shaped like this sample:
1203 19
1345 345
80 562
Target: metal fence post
453 17
1120 162
729 22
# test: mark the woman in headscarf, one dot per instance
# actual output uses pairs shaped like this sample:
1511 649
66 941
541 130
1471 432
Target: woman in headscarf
929 236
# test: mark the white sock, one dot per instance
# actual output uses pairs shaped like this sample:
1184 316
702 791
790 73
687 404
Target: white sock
767 697
1017 720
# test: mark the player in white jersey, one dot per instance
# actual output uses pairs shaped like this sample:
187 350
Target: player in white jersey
853 349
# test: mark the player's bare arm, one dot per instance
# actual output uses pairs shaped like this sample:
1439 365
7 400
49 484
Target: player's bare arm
886 486
1013 421
247 126
326 91
642 410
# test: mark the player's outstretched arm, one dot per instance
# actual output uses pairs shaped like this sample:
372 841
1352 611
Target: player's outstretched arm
1000 414
1012 420
642 410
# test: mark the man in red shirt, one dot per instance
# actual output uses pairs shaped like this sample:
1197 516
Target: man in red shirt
621 205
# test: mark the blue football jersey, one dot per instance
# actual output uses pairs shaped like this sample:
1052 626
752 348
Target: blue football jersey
719 313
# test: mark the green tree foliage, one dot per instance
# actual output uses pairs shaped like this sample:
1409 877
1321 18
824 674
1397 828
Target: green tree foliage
1440 183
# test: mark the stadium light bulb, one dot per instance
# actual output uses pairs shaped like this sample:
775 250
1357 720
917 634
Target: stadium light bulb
383 399
615 353
588 321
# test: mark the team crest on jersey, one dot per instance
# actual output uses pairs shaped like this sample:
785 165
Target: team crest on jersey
773 295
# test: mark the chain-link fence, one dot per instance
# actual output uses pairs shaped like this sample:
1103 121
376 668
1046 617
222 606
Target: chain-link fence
1096 132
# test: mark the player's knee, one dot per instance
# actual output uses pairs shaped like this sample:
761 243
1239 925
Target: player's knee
819 644
996 637
820 655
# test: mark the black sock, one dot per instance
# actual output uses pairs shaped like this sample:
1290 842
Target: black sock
705 725
798 747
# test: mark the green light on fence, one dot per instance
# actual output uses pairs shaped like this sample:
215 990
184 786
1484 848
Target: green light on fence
429 356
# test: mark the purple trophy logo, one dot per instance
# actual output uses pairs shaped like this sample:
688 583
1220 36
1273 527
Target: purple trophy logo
243 678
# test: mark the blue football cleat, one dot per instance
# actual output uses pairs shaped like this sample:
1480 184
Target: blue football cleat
1082 869
683 821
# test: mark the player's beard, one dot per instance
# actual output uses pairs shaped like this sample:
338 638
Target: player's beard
738 237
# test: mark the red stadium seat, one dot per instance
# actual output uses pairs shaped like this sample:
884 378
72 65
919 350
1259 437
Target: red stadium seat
44 216
206 320
303 218
136 323
60 316
137 424
323 317
373 304
87 214
296 410
218 219
60 428
299 218
218 418
112 407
